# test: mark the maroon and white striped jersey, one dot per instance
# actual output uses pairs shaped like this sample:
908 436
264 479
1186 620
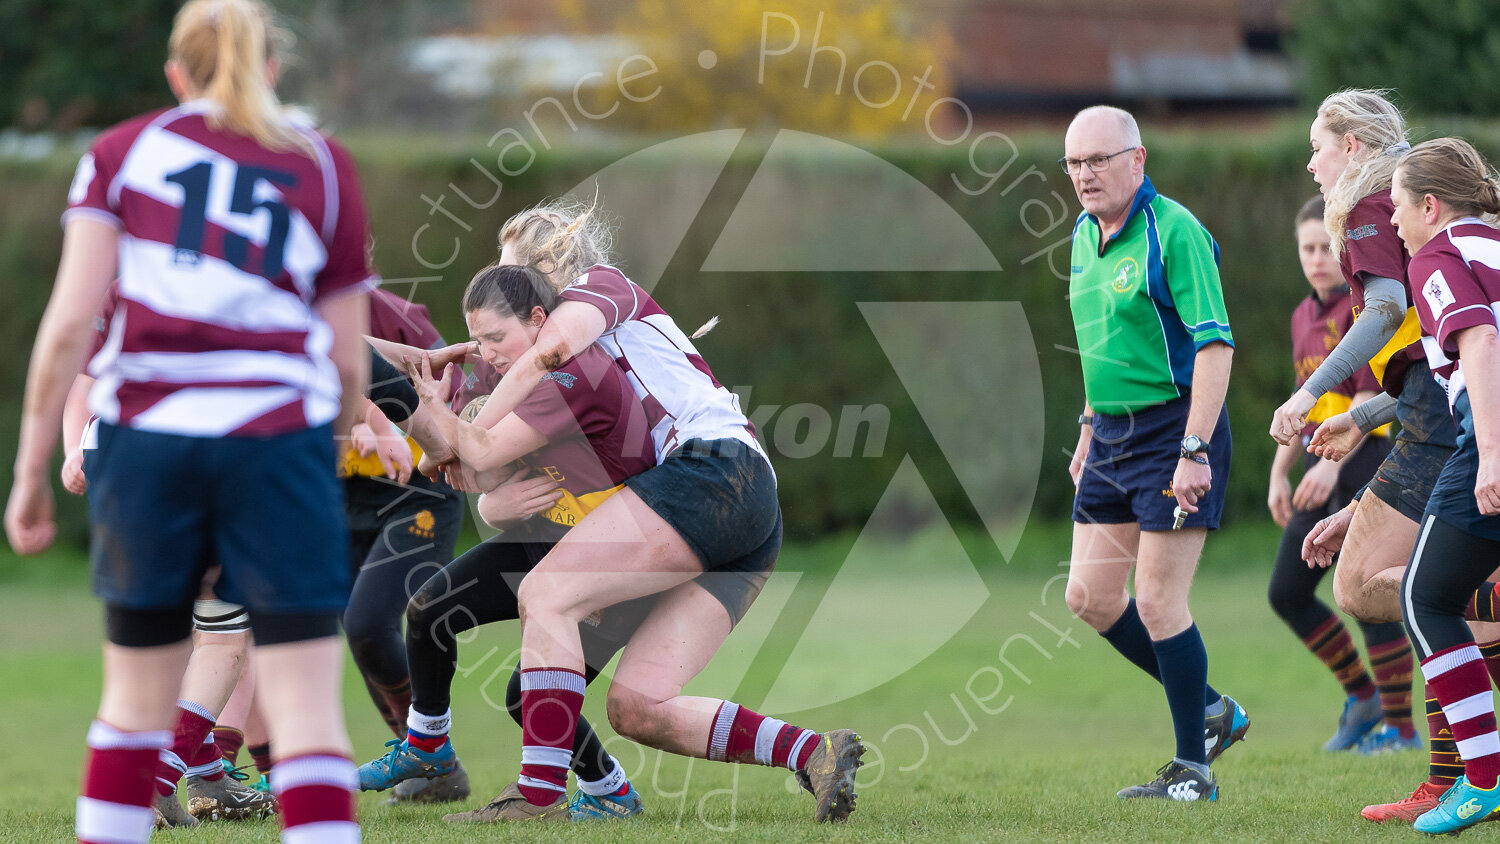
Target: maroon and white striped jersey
225 247
1456 277
683 400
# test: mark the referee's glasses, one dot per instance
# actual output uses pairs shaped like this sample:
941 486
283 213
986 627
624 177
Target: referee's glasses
1096 163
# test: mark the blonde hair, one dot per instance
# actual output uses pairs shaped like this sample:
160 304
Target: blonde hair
223 46
1370 117
1453 171
562 238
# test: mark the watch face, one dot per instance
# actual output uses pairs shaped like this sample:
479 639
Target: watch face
1191 444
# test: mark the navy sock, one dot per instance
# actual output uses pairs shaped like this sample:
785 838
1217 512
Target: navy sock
1184 673
1128 636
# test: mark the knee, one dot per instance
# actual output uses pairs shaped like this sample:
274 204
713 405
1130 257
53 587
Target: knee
1098 611
535 600
1159 613
630 713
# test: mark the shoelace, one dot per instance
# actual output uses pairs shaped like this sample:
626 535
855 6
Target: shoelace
390 758
238 773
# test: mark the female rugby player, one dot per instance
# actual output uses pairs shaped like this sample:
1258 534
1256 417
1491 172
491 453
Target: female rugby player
238 235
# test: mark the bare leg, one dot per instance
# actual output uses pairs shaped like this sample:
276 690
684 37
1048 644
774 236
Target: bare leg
300 696
1367 578
677 640
1103 556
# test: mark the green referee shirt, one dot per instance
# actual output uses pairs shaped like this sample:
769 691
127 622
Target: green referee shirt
1144 307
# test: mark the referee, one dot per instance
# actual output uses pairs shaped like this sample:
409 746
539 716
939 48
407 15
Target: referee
1152 461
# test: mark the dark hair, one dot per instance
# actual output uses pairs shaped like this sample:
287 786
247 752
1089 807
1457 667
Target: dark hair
509 291
1311 210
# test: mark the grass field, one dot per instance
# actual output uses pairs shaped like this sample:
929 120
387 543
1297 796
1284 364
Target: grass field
1020 727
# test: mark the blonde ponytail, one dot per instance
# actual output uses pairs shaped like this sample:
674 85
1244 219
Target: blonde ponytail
224 46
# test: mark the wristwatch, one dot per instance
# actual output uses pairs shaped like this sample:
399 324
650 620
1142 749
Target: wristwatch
1194 449
1085 419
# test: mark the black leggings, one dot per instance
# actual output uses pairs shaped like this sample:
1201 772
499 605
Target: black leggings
394 549
480 588
1445 569
1294 584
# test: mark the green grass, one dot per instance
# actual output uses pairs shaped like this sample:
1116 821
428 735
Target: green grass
1069 725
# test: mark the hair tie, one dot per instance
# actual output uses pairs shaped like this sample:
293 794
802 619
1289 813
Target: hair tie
1398 148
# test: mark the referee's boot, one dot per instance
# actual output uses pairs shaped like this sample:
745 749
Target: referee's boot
1225 729
405 762
1175 781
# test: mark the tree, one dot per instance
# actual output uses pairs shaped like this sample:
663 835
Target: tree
747 64
1440 55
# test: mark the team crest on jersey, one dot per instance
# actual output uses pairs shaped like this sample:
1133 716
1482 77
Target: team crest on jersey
562 378
422 524
1361 232
1125 276
1437 293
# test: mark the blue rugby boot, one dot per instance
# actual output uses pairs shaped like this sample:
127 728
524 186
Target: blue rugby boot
1387 740
587 807
1222 730
405 762
1359 717
1461 807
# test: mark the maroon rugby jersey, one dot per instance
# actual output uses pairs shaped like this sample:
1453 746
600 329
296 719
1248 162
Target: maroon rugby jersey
1457 276
682 398
596 429
225 247
1371 246
1317 328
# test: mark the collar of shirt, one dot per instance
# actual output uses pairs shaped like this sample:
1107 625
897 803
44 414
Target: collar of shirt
1143 196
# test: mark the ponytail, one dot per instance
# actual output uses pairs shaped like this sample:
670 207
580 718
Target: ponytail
224 46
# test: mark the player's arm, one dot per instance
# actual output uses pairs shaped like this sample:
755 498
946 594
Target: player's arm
349 317
457 354
569 329
75 421
1383 313
1479 351
89 257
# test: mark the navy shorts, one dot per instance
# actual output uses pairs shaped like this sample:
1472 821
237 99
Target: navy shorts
720 497
1127 477
1423 445
267 510
1452 498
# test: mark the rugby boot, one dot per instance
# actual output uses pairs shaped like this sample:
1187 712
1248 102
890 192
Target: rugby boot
226 799
1387 740
1408 808
1225 729
1460 807
587 807
511 805
830 772
1175 781
169 812
405 762
452 787
1359 717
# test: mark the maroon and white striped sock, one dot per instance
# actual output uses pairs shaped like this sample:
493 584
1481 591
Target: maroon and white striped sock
114 803
194 724
207 762
739 735
229 740
551 700
1457 678
315 795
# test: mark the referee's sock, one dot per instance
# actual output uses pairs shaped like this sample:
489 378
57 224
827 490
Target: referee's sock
1128 636
1183 663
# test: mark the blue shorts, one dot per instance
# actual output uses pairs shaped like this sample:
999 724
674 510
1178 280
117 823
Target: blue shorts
1127 477
720 497
267 510
1452 498
1423 444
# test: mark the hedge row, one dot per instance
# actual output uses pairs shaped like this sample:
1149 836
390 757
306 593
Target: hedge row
801 292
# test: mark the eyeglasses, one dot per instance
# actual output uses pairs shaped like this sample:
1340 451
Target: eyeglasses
1096 163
